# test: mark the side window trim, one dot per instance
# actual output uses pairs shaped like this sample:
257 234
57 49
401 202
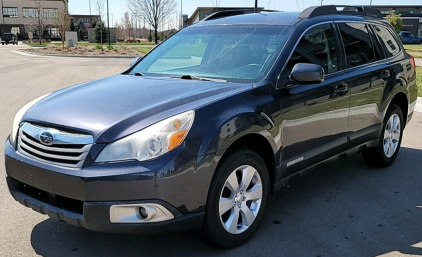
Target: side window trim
375 42
371 63
337 39
395 36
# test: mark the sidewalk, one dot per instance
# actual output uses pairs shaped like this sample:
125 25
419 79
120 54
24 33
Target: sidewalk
418 62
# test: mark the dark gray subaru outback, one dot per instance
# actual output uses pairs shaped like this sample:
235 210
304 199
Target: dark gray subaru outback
204 127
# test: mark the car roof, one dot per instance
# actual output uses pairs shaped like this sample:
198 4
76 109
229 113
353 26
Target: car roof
261 18
316 13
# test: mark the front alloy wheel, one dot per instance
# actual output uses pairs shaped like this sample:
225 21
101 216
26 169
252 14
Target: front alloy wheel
240 199
237 199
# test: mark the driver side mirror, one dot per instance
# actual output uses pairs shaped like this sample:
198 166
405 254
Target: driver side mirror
307 73
135 60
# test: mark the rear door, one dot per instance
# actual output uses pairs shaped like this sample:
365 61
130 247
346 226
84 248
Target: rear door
369 72
315 114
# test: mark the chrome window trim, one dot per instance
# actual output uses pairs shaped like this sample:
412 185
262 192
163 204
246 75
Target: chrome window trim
346 69
375 62
297 42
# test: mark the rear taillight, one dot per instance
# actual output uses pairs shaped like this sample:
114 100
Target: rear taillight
412 62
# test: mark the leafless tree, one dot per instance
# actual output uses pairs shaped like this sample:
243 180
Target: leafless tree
120 31
99 4
216 3
269 5
62 23
128 26
155 12
30 25
39 21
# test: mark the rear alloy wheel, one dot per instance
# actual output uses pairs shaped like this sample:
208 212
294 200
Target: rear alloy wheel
237 199
389 143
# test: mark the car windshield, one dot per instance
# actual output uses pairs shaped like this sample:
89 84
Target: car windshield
233 53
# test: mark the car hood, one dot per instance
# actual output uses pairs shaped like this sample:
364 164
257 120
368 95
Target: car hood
117 106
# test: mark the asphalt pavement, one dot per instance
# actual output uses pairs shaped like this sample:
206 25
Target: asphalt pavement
346 209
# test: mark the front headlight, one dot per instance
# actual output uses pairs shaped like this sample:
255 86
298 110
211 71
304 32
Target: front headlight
150 142
18 118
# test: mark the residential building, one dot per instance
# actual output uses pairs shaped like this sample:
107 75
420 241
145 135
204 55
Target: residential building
16 15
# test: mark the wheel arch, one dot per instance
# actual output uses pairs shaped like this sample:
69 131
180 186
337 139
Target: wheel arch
257 143
401 100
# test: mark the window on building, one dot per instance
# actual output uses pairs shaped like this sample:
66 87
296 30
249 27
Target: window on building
10 12
86 20
51 13
30 12
53 32
15 30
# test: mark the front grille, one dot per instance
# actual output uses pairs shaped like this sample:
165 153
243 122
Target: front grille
65 150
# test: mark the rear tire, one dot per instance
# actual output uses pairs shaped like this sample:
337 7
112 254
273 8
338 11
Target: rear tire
390 140
237 199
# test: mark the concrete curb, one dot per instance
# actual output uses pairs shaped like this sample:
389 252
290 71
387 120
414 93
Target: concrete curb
74 56
418 107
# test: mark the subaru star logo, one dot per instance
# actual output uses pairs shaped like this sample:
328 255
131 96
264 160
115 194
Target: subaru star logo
46 138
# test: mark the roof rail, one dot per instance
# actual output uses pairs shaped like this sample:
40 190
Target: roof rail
339 9
228 13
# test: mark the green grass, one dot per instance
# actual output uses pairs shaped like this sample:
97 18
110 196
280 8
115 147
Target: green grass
414 50
117 44
419 80
143 50
37 44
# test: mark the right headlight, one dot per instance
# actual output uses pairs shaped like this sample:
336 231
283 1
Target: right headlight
150 142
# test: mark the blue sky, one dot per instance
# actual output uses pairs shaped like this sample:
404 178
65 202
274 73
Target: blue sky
118 7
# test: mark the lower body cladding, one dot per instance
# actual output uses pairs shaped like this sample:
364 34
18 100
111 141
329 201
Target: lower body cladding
129 202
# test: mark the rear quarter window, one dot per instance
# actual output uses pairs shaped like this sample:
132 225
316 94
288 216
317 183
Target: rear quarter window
387 40
357 44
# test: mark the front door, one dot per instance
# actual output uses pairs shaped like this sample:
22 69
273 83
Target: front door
314 125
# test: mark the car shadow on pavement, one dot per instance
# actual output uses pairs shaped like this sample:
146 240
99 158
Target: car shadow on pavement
345 209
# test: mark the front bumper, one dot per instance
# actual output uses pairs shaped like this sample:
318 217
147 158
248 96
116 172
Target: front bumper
95 215
83 197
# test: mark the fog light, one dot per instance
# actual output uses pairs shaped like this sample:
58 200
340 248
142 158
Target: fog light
147 212
143 212
139 213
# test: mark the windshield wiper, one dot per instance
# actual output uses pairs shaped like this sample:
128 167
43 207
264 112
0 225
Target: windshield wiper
193 77
138 74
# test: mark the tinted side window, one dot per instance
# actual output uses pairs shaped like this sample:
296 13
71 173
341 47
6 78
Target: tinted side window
388 42
357 44
318 47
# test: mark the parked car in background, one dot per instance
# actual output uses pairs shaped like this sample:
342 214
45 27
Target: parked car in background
409 38
203 128
9 38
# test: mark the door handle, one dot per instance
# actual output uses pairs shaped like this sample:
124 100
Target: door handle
341 89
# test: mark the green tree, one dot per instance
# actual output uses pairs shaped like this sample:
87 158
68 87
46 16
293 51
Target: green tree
101 33
395 21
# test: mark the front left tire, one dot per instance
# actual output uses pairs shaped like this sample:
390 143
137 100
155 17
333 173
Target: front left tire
237 199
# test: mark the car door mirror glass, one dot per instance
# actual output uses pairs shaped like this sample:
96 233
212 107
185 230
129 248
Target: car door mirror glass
307 73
